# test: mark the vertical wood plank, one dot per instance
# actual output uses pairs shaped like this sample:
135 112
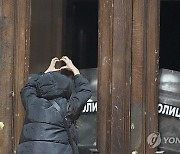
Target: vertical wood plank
114 78
121 77
144 73
152 69
104 76
6 64
21 63
137 99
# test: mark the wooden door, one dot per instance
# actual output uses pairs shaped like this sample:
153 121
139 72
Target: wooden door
127 78
14 24
6 76
128 69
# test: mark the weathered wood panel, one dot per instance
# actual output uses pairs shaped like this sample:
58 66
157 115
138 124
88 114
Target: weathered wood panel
127 75
152 69
21 62
114 80
137 99
6 71
114 76
121 77
144 73
104 76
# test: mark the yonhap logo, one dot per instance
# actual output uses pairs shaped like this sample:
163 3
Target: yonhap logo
154 139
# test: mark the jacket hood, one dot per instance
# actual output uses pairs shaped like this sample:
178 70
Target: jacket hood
53 85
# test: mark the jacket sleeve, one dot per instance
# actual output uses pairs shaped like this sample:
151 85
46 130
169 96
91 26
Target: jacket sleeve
28 92
78 100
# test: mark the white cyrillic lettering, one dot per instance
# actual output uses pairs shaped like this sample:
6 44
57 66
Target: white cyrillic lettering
160 108
165 109
88 107
84 109
94 107
172 111
177 113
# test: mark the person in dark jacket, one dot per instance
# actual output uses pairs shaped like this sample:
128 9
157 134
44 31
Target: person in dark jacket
44 131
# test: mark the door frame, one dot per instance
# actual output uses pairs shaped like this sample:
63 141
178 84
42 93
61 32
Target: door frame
21 63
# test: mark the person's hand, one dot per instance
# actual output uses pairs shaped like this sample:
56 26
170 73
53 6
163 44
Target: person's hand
69 65
51 67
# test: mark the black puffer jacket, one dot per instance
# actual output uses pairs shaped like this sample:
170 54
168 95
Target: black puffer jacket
43 131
